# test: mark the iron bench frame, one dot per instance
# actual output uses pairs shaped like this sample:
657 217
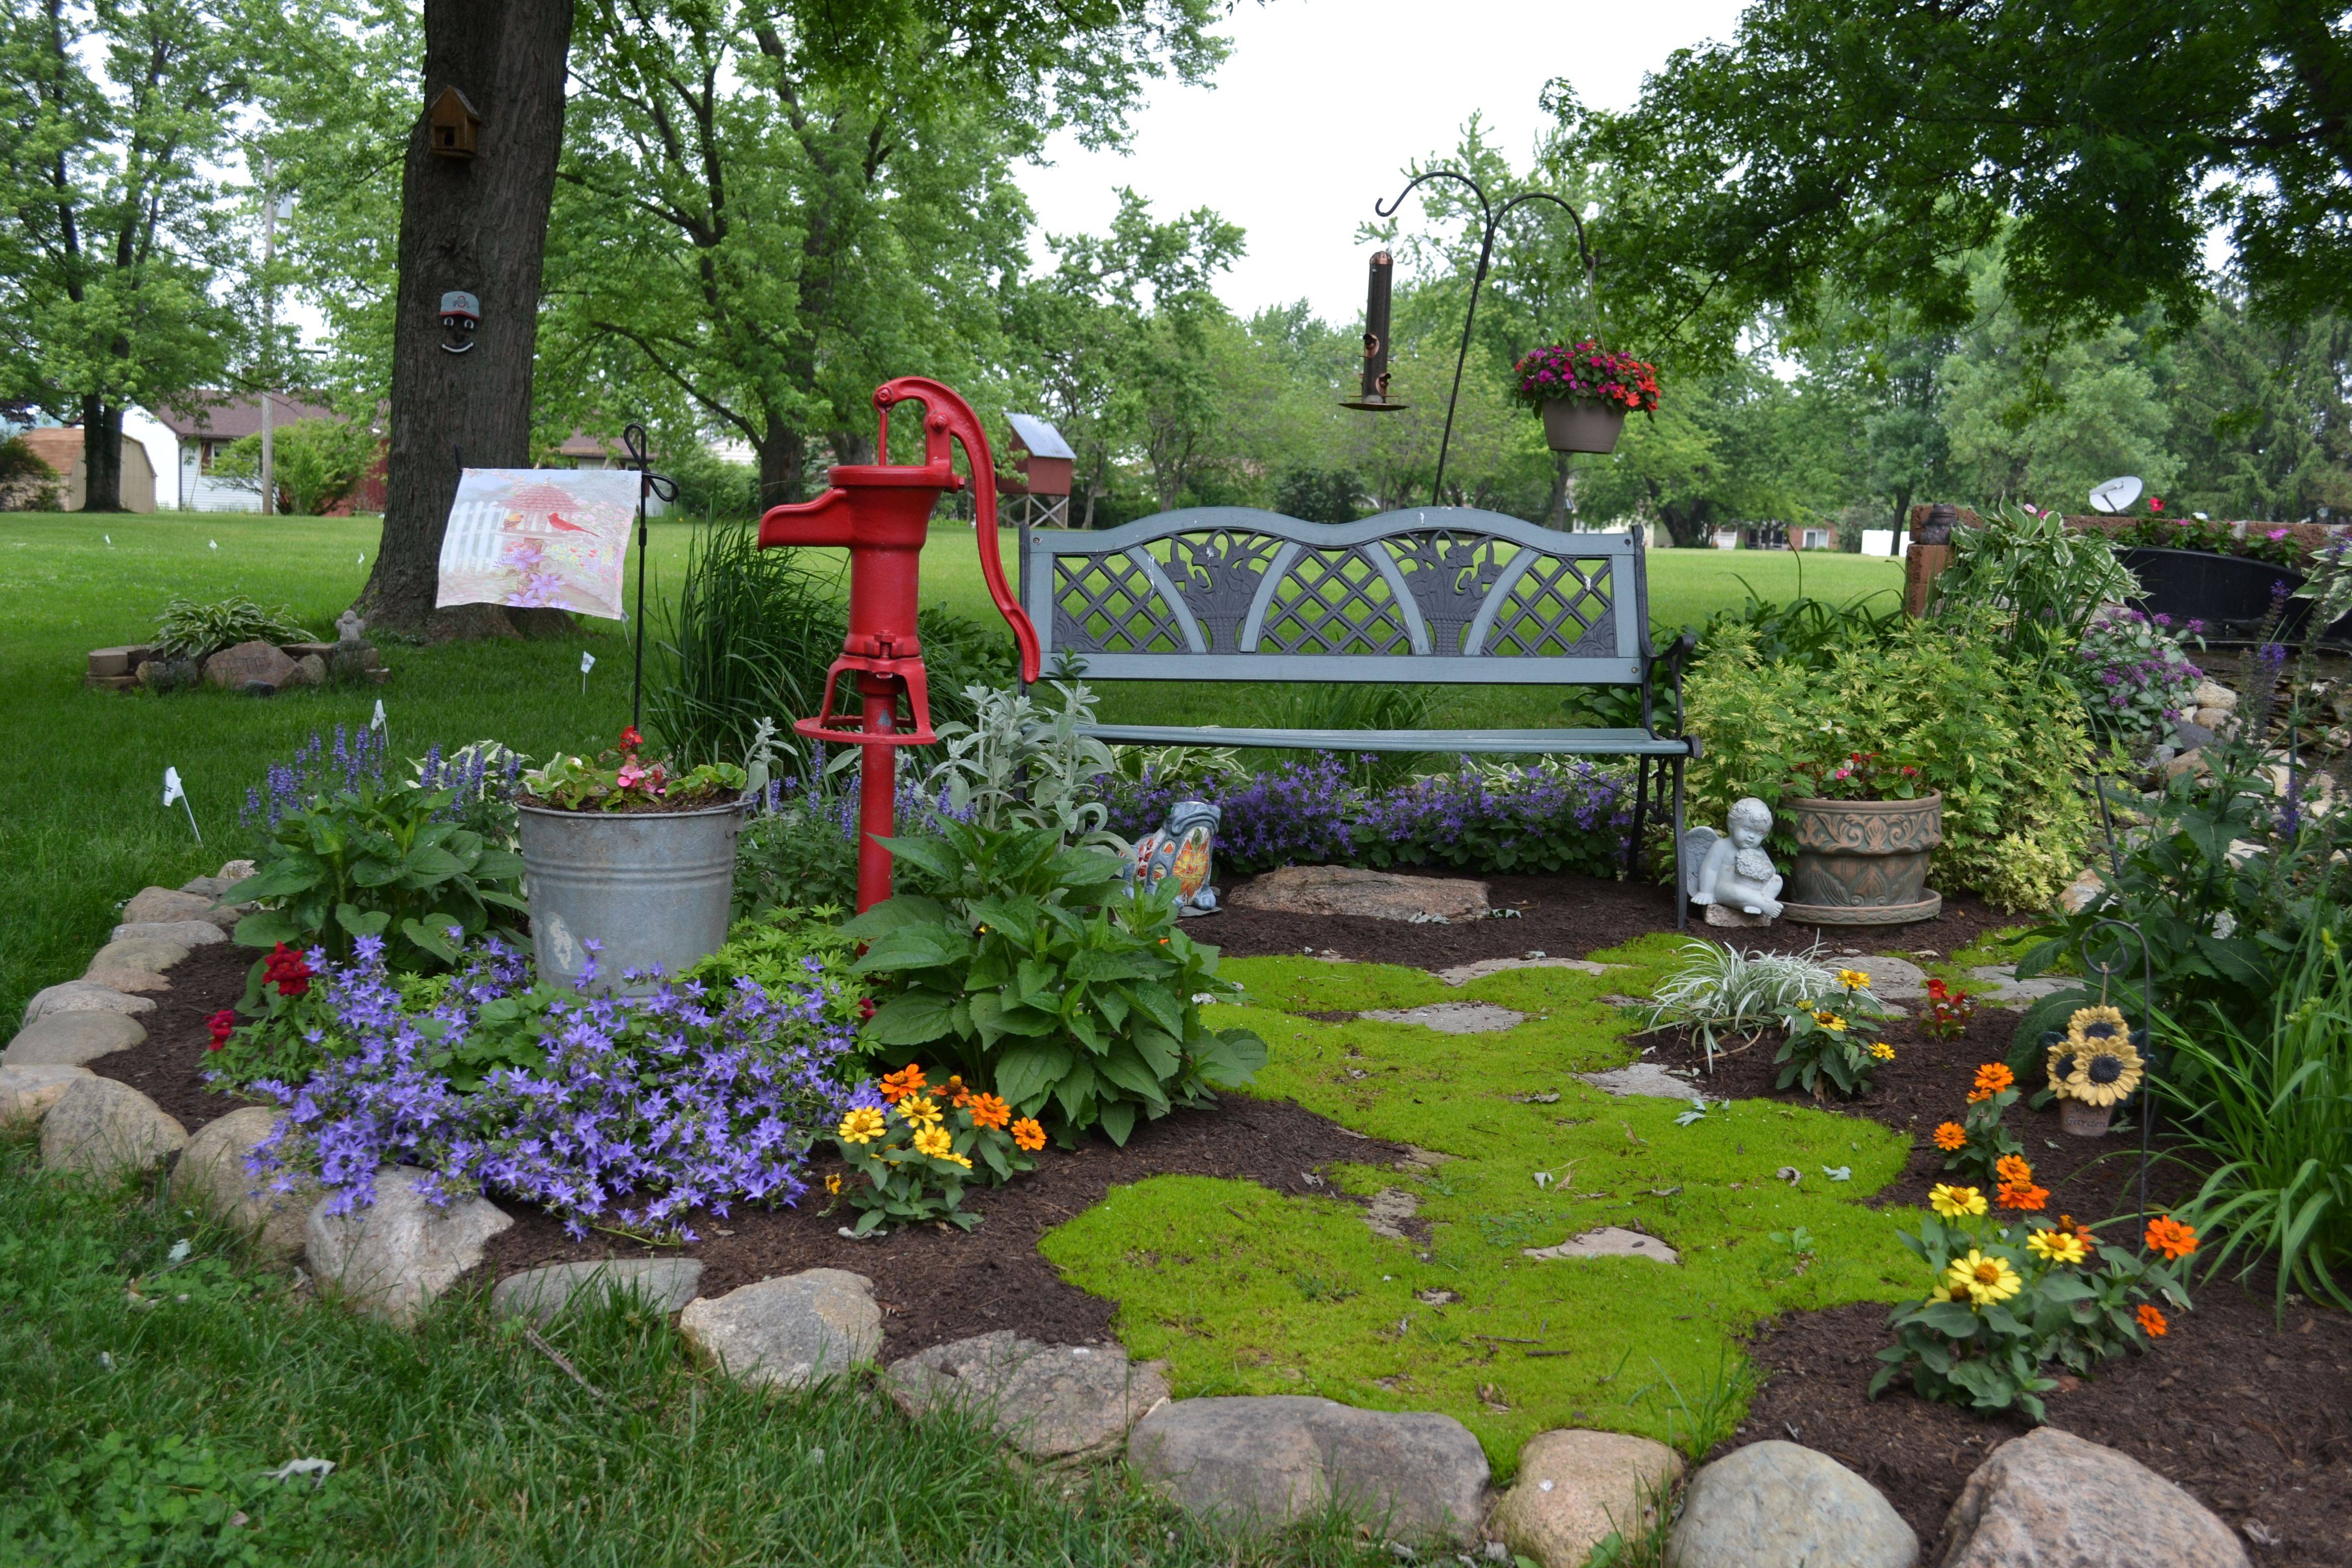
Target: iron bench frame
1425 596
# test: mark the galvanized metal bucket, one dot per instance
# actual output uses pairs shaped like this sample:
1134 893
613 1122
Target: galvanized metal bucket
652 888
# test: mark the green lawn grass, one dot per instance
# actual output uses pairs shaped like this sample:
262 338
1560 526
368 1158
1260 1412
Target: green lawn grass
1248 1291
87 828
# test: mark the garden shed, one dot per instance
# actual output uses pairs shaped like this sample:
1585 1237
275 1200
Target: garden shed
59 446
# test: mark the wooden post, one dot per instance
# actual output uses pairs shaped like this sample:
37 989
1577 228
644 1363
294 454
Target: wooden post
1930 553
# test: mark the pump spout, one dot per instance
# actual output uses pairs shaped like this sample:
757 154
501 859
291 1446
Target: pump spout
824 522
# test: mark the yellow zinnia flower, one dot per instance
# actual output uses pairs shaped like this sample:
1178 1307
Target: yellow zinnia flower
1853 979
1883 1051
1830 1021
920 1111
1987 1280
1953 1203
861 1126
2058 1247
935 1143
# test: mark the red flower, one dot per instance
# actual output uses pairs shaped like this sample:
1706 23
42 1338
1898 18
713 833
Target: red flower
631 740
2156 503
865 1007
287 969
222 1024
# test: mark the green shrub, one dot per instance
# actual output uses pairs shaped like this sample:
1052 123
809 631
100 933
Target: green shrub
2038 582
782 947
1043 979
190 630
315 462
2003 744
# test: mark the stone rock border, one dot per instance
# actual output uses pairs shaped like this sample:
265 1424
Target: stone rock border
132 667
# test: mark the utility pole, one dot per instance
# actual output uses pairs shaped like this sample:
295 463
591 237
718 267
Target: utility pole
268 334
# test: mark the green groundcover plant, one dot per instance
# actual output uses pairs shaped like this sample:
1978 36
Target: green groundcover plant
2004 744
1041 977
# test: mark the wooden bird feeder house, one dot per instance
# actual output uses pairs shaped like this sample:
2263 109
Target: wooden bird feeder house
451 126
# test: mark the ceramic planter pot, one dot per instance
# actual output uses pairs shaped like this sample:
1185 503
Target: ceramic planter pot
1573 424
2077 1119
1863 862
652 888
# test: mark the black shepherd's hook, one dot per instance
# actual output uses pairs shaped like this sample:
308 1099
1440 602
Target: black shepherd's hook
2147 985
1494 217
661 485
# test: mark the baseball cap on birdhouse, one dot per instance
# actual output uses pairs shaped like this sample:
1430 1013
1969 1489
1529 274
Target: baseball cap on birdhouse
451 126
459 306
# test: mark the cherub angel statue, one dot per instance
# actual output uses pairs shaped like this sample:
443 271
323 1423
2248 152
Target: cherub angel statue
1731 868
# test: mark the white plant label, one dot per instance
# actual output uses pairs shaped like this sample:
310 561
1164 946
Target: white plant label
173 790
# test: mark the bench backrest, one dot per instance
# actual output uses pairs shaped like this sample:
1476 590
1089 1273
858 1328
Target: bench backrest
1426 594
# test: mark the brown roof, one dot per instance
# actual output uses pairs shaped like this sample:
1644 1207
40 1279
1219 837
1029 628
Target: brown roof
226 416
58 446
579 444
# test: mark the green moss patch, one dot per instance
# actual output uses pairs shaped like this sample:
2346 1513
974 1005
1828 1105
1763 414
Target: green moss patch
1247 1292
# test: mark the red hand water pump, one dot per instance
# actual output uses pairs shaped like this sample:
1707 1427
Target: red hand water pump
882 512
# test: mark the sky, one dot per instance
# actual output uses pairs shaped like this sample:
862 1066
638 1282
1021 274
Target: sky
1322 103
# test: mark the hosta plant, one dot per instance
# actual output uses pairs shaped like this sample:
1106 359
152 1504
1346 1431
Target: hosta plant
1037 975
913 1148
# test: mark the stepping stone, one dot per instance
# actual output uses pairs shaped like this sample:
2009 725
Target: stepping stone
1386 1213
1464 974
2009 990
1642 1079
2051 1499
213 1175
544 1293
84 997
104 1128
393 1257
1893 979
1775 1505
28 1092
1256 1463
1575 1488
180 933
1609 1241
72 1039
1451 1017
1056 1403
789 1332
1349 890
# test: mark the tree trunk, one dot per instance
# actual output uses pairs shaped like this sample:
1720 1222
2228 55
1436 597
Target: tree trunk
479 225
101 456
1564 493
784 456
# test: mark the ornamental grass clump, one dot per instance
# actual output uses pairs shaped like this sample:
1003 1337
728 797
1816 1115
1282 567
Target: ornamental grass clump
1720 991
628 1113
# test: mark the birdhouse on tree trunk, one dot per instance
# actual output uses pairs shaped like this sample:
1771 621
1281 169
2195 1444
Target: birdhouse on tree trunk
451 126
1048 470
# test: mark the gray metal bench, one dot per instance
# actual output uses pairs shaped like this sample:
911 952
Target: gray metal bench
1427 596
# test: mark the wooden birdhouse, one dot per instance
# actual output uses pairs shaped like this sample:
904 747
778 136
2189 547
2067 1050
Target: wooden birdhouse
451 126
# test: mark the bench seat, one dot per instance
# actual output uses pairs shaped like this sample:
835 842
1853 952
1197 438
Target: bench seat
1449 742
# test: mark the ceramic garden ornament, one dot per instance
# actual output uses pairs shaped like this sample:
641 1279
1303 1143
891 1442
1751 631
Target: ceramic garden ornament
1730 870
1182 851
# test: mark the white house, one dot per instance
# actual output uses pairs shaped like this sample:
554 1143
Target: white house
200 432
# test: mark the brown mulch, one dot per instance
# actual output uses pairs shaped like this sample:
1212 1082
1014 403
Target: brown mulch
2250 1415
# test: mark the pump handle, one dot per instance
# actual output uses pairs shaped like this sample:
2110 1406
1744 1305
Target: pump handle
946 415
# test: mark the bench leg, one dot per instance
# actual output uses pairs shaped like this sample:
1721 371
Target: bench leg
1641 812
1682 906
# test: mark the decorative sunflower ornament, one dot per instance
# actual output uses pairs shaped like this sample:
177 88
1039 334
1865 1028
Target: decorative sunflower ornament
2096 1064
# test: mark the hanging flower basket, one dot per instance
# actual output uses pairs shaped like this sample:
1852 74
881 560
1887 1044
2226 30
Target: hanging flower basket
1584 393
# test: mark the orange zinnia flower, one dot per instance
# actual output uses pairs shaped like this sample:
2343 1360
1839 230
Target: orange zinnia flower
2068 1222
988 1111
1028 1135
2153 1321
2172 1238
902 1083
1994 1076
1950 1136
2021 1196
957 1096
2013 1171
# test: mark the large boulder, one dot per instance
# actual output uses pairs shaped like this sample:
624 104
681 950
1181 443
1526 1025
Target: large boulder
28 1092
1575 1488
213 1175
241 667
542 1293
787 1331
84 997
72 1039
1775 1505
2051 1499
1054 1402
393 1257
104 1128
181 933
1263 1461
1349 890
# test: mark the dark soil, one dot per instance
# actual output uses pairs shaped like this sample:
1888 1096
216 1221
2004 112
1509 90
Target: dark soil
2252 1417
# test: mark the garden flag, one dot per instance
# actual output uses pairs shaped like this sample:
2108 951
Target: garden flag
540 537
174 790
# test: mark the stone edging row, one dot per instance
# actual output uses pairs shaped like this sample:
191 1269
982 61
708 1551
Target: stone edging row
1256 1461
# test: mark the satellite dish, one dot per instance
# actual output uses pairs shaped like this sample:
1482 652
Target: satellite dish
2115 494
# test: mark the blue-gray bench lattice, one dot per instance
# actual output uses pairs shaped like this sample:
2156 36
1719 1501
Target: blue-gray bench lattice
1430 596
